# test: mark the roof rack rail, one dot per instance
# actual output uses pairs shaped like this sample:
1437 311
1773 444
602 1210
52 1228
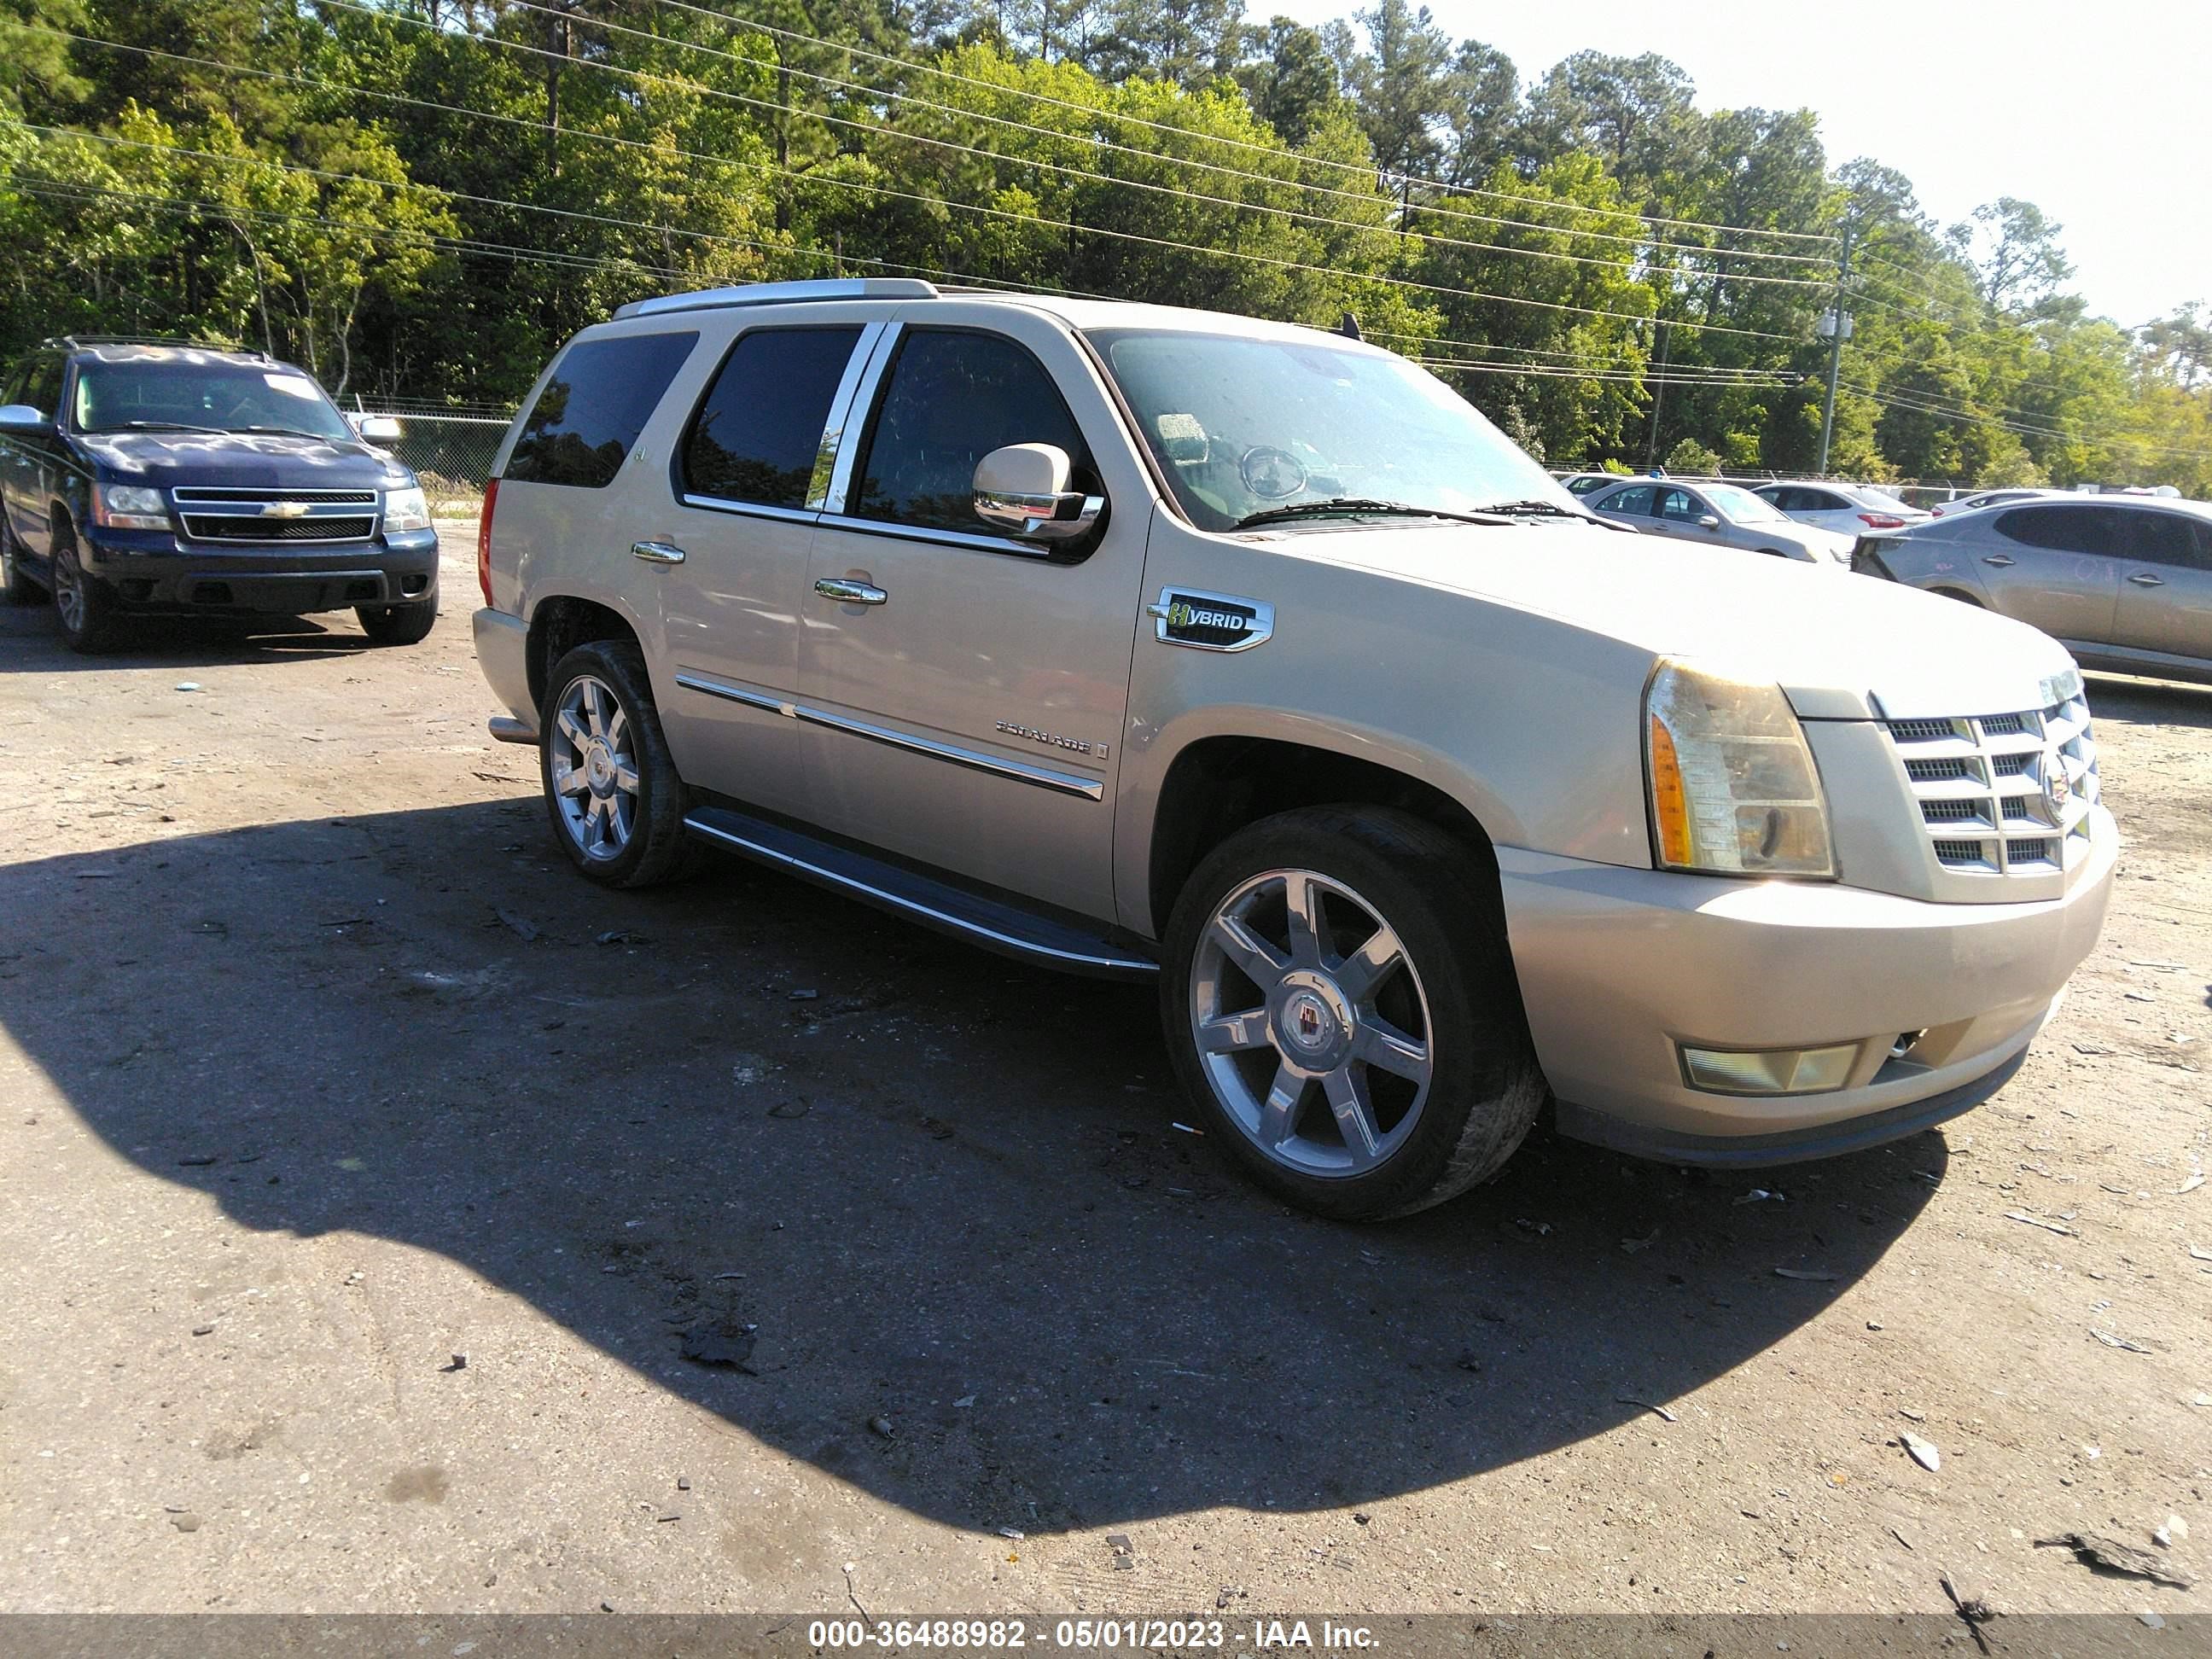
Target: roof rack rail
78 342
784 294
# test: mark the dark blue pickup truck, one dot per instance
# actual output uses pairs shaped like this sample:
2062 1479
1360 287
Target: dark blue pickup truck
188 480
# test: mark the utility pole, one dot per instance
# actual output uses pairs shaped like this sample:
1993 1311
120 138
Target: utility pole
1837 325
1658 392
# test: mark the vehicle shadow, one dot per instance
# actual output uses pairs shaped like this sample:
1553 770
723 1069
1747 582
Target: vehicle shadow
34 645
2149 702
947 1189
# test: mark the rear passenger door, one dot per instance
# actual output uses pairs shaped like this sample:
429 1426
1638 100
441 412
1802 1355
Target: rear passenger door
750 471
2165 592
968 714
2053 565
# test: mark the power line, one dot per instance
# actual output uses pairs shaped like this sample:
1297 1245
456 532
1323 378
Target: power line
1219 138
1366 198
1038 162
1268 260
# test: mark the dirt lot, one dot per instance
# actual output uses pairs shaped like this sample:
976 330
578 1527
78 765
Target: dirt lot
321 1071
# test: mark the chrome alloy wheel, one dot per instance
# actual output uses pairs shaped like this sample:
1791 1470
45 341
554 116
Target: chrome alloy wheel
594 768
1311 1024
69 585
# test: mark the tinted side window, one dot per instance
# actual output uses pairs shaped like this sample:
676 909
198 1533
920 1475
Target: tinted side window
603 392
2064 529
42 386
1679 504
758 434
952 399
2162 538
1636 498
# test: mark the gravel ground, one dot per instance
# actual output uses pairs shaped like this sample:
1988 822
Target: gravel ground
321 1071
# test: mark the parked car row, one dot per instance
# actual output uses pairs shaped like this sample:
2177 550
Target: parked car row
170 479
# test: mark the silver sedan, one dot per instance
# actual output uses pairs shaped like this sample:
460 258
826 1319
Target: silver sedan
1718 516
2125 585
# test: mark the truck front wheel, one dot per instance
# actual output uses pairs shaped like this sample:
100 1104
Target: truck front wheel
1340 1003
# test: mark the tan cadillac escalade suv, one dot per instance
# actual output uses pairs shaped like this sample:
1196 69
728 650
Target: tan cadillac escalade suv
1251 658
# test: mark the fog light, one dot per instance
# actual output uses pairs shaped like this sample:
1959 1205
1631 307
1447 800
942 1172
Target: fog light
1770 1071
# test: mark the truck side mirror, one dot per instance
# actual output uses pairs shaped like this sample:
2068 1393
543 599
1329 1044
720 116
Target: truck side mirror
376 428
21 421
1022 491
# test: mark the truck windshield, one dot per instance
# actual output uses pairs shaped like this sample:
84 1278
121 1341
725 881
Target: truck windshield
188 391
1241 425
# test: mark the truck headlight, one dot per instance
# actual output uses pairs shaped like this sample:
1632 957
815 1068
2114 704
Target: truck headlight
406 509
1733 787
129 507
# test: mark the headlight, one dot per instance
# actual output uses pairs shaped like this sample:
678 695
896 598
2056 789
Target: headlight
1733 788
129 507
405 509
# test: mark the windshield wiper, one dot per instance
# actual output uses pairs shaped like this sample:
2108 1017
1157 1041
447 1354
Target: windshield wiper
166 426
287 432
1359 505
1534 508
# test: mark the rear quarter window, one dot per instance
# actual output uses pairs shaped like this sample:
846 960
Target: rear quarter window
598 398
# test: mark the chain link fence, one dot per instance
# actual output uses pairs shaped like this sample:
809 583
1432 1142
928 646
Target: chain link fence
451 454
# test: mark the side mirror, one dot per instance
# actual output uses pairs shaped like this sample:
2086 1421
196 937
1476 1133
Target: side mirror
1022 491
21 421
1709 522
376 428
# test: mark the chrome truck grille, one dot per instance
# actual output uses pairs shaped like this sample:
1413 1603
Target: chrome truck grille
275 515
2003 794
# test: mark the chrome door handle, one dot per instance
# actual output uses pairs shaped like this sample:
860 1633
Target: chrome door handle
1996 558
2144 579
656 552
846 591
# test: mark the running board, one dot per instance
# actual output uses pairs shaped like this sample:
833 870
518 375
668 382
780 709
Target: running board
992 923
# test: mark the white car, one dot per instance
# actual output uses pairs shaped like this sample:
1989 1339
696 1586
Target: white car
1718 516
1851 508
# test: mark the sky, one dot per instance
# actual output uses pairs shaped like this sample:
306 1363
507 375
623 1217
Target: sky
2101 115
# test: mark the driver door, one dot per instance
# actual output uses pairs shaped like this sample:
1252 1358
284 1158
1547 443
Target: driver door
967 711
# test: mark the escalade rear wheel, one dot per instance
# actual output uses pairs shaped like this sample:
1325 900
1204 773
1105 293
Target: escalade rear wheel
1340 1002
611 788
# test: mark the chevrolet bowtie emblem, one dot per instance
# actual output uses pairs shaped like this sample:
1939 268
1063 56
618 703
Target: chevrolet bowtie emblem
284 510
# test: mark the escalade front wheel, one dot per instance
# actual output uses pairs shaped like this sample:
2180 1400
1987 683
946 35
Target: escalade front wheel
611 788
1341 1004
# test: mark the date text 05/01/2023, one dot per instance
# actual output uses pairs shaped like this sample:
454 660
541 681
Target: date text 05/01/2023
1089 1634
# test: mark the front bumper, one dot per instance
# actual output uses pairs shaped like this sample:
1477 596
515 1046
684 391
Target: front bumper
155 571
1619 969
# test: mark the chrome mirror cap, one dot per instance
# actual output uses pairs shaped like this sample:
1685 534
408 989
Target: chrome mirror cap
376 428
1022 491
21 421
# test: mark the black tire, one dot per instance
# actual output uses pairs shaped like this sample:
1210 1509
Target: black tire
1963 598
397 624
656 847
16 587
83 604
1440 898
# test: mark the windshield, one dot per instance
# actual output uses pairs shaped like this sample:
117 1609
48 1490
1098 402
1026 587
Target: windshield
1743 506
1243 426
193 390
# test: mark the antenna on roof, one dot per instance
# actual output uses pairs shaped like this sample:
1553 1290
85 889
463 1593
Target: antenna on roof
1349 327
